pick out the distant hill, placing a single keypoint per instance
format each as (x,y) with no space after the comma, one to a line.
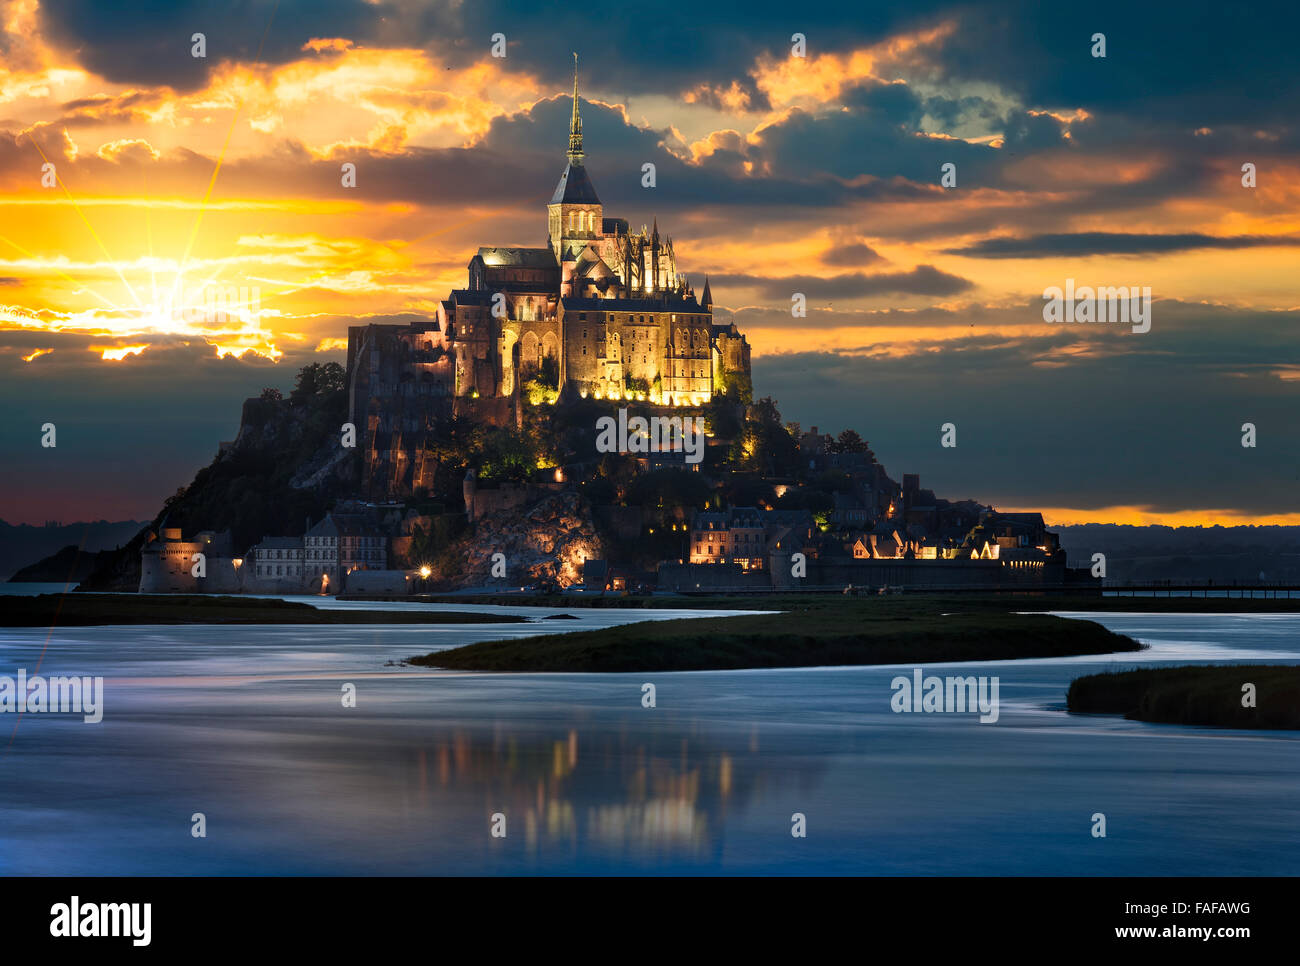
(22,545)
(69,564)
(1223,554)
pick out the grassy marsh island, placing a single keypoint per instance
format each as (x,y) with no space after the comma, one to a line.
(87,610)
(1196,695)
(808,632)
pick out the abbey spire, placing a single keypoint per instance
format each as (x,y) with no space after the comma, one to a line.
(575,125)
(574,216)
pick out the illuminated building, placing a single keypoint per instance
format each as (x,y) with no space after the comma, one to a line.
(600,312)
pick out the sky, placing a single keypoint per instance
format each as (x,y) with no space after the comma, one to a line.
(782,167)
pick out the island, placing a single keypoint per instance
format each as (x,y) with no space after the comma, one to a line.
(1259,696)
(806,632)
(86,610)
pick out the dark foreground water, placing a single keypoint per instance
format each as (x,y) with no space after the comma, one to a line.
(246,725)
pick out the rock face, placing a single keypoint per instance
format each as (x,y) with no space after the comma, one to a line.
(547,541)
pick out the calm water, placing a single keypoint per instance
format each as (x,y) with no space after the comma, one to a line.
(246,726)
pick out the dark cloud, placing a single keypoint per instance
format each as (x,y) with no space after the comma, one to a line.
(517,164)
(687,45)
(853,254)
(150,42)
(922,280)
(127,108)
(1199,63)
(1115,243)
(866,139)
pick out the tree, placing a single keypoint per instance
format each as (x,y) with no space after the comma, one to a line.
(316,379)
(767,445)
(503,454)
(849,442)
(549,372)
(270,394)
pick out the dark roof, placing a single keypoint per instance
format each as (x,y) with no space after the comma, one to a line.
(518,257)
(575,188)
(467,296)
(279,543)
(345,525)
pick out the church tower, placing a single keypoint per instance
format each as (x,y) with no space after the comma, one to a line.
(575,215)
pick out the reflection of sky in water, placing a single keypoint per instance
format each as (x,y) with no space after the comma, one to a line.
(246,725)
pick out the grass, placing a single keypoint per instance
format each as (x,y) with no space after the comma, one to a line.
(84,610)
(813,632)
(1197,695)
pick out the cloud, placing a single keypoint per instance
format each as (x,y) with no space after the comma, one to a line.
(850,254)
(1115,243)
(922,280)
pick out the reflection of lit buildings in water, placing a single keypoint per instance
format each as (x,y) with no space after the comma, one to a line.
(656,822)
(607,794)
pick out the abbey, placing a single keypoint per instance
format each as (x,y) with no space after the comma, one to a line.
(600,311)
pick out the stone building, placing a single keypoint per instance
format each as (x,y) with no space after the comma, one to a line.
(276,564)
(205,564)
(340,544)
(599,310)
(748,537)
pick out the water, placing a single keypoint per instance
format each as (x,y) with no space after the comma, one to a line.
(31,590)
(245,724)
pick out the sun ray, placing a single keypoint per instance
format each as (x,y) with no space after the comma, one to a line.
(112,305)
(89,227)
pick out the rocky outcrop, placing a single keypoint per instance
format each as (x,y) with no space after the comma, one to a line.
(547,541)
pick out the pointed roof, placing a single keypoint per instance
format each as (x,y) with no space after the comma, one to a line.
(707,299)
(575,187)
